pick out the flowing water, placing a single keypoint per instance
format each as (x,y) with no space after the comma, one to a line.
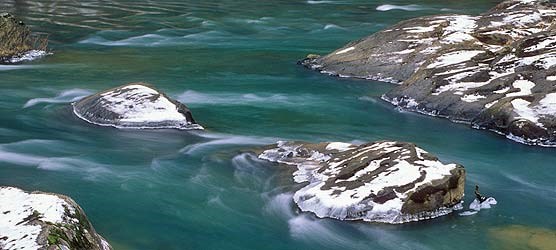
(234,64)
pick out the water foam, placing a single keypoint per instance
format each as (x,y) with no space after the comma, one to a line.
(388,7)
(223,140)
(195,97)
(65,96)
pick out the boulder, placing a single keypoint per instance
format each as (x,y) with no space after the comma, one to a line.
(17,43)
(495,71)
(134,105)
(385,181)
(38,220)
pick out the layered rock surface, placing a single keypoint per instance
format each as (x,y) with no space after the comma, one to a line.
(17,43)
(40,220)
(495,71)
(135,105)
(386,181)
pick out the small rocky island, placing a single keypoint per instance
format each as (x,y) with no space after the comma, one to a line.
(40,220)
(385,181)
(135,105)
(17,42)
(495,71)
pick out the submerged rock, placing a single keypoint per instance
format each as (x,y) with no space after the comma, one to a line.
(17,43)
(134,105)
(523,237)
(496,71)
(386,181)
(40,220)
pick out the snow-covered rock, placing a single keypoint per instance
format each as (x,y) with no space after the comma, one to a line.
(495,71)
(134,105)
(385,181)
(40,220)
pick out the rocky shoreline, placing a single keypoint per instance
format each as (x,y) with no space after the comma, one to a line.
(495,71)
(38,220)
(386,181)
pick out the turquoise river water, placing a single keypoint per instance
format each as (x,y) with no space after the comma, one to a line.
(234,64)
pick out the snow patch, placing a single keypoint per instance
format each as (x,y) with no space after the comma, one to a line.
(16,205)
(345,50)
(456,57)
(524,87)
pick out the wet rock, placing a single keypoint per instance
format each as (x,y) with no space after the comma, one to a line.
(495,71)
(134,105)
(40,220)
(385,181)
(17,42)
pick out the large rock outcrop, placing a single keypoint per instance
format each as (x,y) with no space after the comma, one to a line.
(40,220)
(386,181)
(134,105)
(17,43)
(495,71)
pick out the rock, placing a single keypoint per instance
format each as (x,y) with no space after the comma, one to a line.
(40,220)
(134,105)
(385,181)
(495,71)
(523,237)
(17,43)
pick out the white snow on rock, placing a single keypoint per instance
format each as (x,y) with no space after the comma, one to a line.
(133,107)
(551,78)
(547,43)
(459,29)
(17,205)
(472,98)
(340,146)
(524,87)
(456,57)
(329,195)
(418,29)
(345,50)
(545,107)
(524,111)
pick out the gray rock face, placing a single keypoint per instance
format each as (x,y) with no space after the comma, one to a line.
(17,43)
(495,71)
(134,105)
(385,181)
(40,220)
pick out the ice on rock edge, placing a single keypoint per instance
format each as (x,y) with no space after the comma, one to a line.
(28,56)
(331,192)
